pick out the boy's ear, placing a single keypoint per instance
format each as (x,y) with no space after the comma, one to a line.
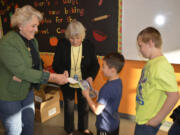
(151,43)
(113,70)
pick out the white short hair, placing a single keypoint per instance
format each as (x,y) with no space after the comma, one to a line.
(75,28)
(24,15)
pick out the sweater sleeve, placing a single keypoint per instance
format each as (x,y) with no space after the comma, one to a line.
(61,59)
(14,61)
(93,67)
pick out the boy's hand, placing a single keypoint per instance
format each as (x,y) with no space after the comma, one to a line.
(153,122)
(85,93)
(90,80)
(172,98)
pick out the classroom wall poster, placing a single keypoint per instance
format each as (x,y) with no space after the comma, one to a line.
(102,19)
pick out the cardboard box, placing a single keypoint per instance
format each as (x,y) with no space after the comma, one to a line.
(46,104)
(45,92)
(48,108)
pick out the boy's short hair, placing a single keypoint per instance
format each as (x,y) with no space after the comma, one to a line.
(115,60)
(150,33)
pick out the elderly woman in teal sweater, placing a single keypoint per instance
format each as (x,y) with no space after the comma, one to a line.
(21,72)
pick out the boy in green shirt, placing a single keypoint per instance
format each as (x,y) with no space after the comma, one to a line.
(157,90)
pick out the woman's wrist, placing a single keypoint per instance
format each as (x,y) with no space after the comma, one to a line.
(58,78)
(52,78)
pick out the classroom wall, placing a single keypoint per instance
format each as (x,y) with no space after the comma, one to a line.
(161,14)
(130,76)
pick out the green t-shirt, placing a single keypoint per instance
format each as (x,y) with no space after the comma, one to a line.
(157,78)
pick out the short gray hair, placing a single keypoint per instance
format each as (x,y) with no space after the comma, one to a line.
(75,28)
(24,15)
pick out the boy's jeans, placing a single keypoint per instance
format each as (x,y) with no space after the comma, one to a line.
(18,116)
(146,130)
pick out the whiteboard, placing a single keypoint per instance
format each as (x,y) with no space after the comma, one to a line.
(139,14)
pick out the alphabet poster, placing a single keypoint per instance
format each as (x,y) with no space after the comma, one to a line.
(101,18)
